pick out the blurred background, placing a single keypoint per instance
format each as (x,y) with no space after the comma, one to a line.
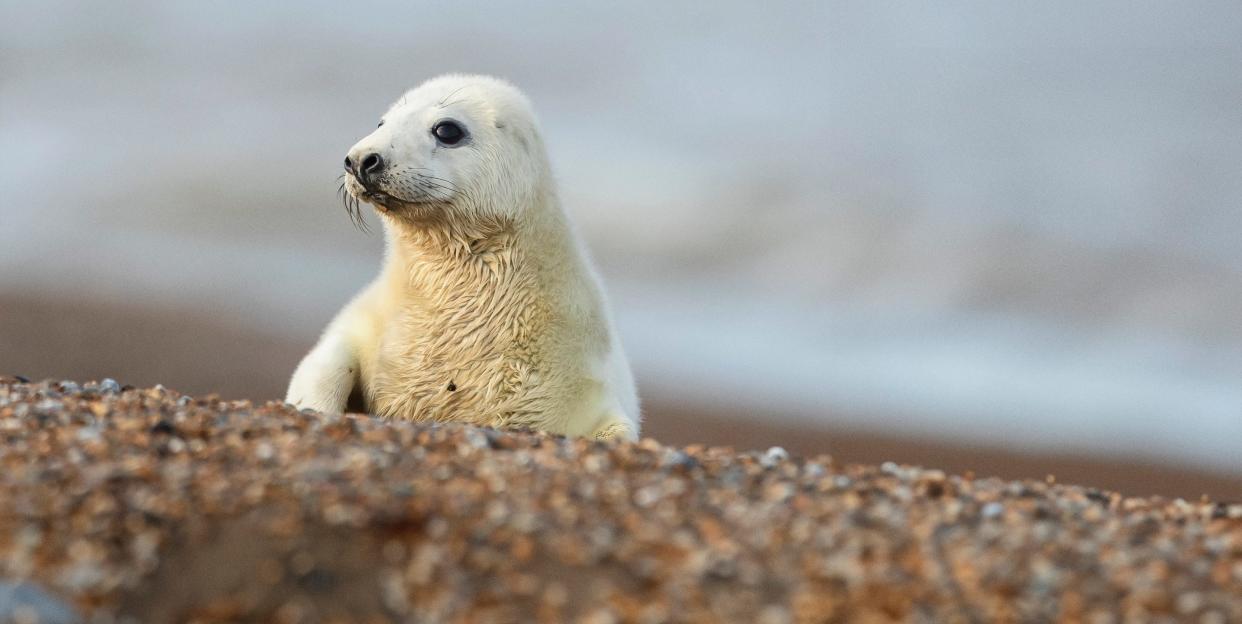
(999,237)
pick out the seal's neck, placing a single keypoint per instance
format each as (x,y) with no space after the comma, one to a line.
(438,262)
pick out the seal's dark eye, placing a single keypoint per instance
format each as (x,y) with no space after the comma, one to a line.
(449,132)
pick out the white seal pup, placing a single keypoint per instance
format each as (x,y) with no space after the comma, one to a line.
(487,310)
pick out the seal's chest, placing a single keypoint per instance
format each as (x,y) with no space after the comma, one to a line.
(465,366)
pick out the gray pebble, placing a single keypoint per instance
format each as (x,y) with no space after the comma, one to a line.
(27,602)
(49,407)
(774,456)
(814,470)
(476,438)
(992,510)
(674,458)
(777,453)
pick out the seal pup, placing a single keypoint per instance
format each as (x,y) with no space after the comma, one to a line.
(486,310)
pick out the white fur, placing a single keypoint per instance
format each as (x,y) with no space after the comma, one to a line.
(487,309)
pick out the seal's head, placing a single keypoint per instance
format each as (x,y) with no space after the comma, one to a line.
(456,147)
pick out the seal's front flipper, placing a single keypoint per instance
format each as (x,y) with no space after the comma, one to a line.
(615,428)
(325,378)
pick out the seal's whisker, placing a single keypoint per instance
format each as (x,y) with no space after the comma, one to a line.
(352,208)
(441,104)
(427,186)
(362,223)
(450,185)
(441,182)
(429,176)
(424,186)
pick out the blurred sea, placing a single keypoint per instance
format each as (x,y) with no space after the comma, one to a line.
(998,223)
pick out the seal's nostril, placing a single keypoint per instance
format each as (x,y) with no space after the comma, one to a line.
(372,163)
(349,164)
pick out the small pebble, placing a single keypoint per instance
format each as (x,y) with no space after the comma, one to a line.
(814,470)
(674,458)
(26,602)
(992,510)
(774,456)
(163,427)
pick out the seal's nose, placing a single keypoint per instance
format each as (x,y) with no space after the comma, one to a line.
(364,166)
(372,164)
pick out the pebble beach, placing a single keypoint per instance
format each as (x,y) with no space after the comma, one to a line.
(146,505)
